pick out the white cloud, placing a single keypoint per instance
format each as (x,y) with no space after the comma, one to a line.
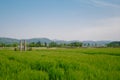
(106,29)
(103,3)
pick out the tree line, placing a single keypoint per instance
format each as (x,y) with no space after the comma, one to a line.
(45,44)
(114,44)
(55,44)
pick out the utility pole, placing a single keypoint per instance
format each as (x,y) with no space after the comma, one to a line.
(23,45)
(20,45)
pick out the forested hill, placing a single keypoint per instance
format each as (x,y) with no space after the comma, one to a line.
(8,40)
(12,40)
(114,44)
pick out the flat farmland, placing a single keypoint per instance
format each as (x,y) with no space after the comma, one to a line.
(60,64)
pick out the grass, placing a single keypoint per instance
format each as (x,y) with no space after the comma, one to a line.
(61,64)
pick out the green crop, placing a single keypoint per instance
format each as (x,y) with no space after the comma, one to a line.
(61,64)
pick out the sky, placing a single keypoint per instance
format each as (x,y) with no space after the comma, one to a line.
(60,19)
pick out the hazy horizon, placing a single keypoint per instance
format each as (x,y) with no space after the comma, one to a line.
(60,19)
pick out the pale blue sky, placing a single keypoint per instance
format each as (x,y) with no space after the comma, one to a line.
(60,19)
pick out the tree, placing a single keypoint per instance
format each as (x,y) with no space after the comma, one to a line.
(38,44)
(114,44)
(53,44)
(62,45)
(76,44)
(14,44)
(88,45)
(45,44)
(2,44)
(32,44)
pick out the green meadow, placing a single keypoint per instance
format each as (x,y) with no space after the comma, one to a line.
(60,64)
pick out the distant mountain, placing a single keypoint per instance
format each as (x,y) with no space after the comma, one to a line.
(42,40)
(61,41)
(8,40)
(96,43)
(12,40)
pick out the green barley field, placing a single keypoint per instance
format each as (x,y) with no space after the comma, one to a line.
(60,64)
